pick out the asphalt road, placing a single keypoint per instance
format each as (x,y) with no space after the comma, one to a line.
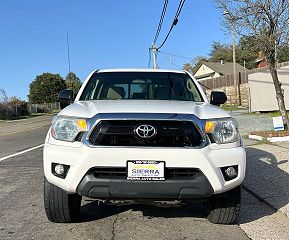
(22,213)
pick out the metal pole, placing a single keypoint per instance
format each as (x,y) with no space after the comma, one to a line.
(234,59)
(68,53)
(154,48)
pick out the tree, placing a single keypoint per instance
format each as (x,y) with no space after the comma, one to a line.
(15,100)
(245,52)
(3,96)
(188,67)
(220,52)
(267,20)
(283,53)
(193,68)
(45,88)
(73,82)
(21,107)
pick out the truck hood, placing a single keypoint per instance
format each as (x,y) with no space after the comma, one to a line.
(87,109)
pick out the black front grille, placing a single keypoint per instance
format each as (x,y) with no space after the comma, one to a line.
(120,173)
(169,134)
(181,173)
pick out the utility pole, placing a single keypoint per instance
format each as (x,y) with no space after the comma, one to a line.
(234,59)
(68,54)
(155,51)
(233,20)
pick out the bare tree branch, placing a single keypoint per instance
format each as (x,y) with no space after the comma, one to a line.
(3,96)
(267,20)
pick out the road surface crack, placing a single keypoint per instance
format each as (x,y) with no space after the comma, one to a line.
(114,226)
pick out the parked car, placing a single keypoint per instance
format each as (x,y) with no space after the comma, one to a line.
(143,134)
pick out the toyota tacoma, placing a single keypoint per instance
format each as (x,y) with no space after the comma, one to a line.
(143,135)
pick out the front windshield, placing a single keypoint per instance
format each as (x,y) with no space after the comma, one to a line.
(141,85)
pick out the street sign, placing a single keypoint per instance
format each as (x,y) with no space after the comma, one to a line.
(278,123)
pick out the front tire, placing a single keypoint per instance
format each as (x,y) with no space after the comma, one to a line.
(225,207)
(60,207)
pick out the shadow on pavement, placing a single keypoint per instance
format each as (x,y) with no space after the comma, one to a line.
(268,178)
(92,211)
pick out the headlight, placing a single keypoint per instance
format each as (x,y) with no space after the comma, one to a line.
(66,129)
(222,131)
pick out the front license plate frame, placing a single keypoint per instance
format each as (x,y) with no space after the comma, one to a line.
(145,170)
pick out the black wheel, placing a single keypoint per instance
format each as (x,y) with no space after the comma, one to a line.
(224,208)
(60,207)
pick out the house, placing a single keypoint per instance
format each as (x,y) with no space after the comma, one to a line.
(209,70)
(261,60)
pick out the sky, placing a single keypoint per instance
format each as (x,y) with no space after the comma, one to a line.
(102,34)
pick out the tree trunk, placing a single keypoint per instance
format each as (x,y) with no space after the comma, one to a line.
(279,92)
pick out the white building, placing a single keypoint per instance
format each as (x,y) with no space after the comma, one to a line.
(262,91)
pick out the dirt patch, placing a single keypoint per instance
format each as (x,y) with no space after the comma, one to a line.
(270,134)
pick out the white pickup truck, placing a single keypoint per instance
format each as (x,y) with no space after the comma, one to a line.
(143,134)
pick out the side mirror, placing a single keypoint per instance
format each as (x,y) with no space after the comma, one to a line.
(218,98)
(65,97)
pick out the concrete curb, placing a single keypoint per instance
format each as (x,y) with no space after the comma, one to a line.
(272,139)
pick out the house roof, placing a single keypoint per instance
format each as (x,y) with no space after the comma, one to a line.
(226,68)
(204,75)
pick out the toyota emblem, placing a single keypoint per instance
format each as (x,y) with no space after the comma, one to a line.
(146,131)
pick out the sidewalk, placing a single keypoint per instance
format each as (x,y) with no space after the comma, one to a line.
(267,173)
(8,127)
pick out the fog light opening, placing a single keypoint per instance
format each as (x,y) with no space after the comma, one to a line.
(60,170)
(230,172)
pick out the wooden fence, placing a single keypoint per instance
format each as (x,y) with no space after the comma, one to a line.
(44,107)
(225,81)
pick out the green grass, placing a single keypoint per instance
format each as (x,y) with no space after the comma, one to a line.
(56,111)
(233,107)
(276,114)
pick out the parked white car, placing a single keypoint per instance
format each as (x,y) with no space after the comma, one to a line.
(143,134)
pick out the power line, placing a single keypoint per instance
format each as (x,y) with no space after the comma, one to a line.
(175,55)
(157,33)
(175,21)
(163,59)
(161,21)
